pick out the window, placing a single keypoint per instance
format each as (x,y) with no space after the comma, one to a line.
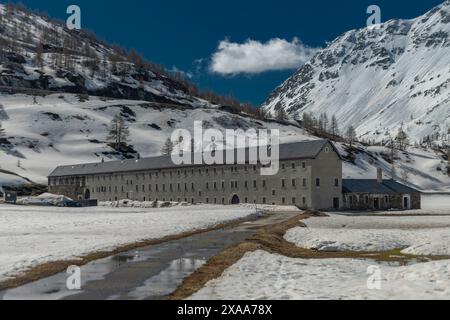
(304,165)
(274,193)
(304,182)
(304,200)
(255,184)
(264,183)
(294,183)
(264,201)
(223,184)
(207,186)
(283,200)
(318,182)
(293,200)
(246,184)
(293,165)
(283,166)
(137,188)
(336,182)
(283,183)
(143,188)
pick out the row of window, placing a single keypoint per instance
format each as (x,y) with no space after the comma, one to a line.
(264,200)
(209,185)
(362,199)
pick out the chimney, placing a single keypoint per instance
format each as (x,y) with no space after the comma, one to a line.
(379,175)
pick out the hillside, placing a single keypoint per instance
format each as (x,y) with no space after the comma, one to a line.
(43,132)
(42,54)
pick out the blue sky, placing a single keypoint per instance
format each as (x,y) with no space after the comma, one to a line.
(185,34)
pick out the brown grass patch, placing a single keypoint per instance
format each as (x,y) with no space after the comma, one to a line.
(51,268)
(271,239)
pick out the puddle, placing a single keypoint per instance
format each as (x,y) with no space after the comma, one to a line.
(167,281)
(152,272)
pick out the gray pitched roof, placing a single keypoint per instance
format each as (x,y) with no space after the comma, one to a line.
(373,187)
(298,150)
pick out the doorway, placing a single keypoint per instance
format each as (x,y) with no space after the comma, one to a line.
(87,195)
(376,204)
(406,203)
(336,204)
(235,200)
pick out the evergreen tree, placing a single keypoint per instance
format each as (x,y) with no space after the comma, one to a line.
(2,132)
(167,148)
(402,139)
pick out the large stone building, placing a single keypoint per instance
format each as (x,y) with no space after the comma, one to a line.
(310,176)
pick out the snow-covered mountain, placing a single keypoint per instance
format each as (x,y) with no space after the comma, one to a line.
(378,78)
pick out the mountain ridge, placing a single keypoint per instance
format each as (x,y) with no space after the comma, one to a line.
(378,79)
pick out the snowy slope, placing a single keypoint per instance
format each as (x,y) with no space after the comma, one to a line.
(377,79)
(423,169)
(62,129)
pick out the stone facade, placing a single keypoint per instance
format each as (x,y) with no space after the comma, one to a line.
(304,182)
(368,201)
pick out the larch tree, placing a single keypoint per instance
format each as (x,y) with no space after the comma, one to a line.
(351,135)
(118,132)
(281,114)
(334,127)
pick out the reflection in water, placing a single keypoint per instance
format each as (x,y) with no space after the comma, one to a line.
(168,280)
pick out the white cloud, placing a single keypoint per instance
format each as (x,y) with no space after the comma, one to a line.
(254,57)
